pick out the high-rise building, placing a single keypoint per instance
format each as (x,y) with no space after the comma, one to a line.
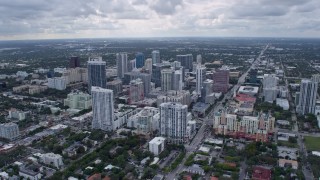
(199,59)
(122,64)
(316,78)
(307,97)
(74,62)
(146,79)
(131,65)
(139,60)
(173,122)
(102,107)
(136,91)
(156,57)
(221,80)
(148,65)
(167,79)
(200,76)
(96,73)
(156,72)
(177,80)
(270,90)
(9,131)
(186,61)
(115,86)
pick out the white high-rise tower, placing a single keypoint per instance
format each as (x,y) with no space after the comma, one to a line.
(102,107)
(173,122)
(122,64)
(200,73)
(307,97)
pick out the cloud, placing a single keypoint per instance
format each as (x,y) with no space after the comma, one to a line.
(22,19)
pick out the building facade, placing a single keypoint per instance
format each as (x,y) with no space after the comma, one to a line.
(122,64)
(78,100)
(136,91)
(156,56)
(96,73)
(9,131)
(103,108)
(173,122)
(156,145)
(74,62)
(200,76)
(139,60)
(221,80)
(306,99)
(186,61)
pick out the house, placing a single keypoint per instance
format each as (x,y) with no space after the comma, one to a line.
(31,172)
(195,169)
(261,173)
(286,162)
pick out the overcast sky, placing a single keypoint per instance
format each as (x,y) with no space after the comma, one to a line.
(43,19)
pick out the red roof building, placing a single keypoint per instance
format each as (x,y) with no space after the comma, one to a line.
(261,173)
(245,98)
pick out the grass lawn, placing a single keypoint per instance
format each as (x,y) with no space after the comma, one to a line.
(312,143)
(288,144)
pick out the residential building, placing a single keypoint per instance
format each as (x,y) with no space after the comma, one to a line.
(221,80)
(250,127)
(78,100)
(122,63)
(145,121)
(156,145)
(145,77)
(186,61)
(177,80)
(96,73)
(156,56)
(139,60)
(58,83)
(22,74)
(9,131)
(52,159)
(167,79)
(131,65)
(30,172)
(136,90)
(76,75)
(199,59)
(200,76)
(15,114)
(270,90)
(183,97)
(103,108)
(74,62)
(173,122)
(115,86)
(148,65)
(307,97)
(156,72)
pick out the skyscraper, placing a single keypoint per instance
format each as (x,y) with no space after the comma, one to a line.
(74,62)
(167,79)
(136,91)
(102,107)
(96,73)
(131,65)
(146,79)
(122,64)
(139,60)
(156,72)
(177,80)
(148,65)
(200,76)
(156,57)
(199,59)
(307,97)
(221,80)
(186,61)
(270,90)
(173,122)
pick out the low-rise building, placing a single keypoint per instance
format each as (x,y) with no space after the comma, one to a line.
(78,100)
(15,114)
(284,103)
(145,121)
(59,83)
(286,162)
(9,131)
(156,145)
(30,172)
(52,159)
(261,173)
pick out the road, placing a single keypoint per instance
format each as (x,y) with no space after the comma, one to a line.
(295,129)
(207,122)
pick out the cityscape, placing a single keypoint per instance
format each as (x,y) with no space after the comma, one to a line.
(102,98)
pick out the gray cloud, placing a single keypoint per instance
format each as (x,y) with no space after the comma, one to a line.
(98,18)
